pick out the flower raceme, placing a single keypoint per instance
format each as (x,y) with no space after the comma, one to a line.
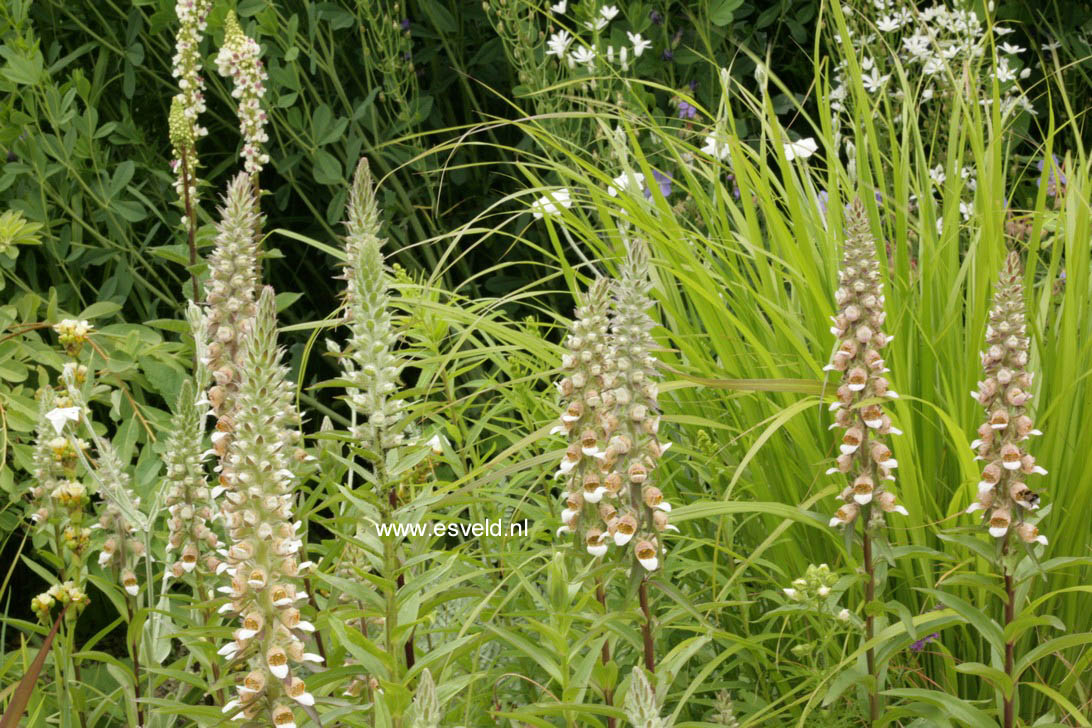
(240,58)
(262,560)
(609,398)
(1004,394)
(865,459)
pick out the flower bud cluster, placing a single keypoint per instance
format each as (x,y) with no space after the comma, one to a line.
(188,497)
(615,485)
(725,711)
(66,593)
(1004,393)
(369,361)
(240,58)
(263,558)
(123,547)
(230,292)
(642,705)
(865,458)
(189,103)
(814,587)
(72,334)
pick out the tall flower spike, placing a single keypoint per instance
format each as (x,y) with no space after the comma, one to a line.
(1004,393)
(865,459)
(263,556)
(230,293)
(631,417)
(369,361)
(240,58)
(580,388)
(189,103)
(188,499)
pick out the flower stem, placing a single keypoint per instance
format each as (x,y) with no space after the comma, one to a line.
(870,595)
(646,628)
(608,693)
(1010,614)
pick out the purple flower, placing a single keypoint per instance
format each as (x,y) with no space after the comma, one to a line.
(663,181)
(920,644)
(405,24)
(1052,181)
(655,17)
(667,55)
(822,199)
(686,111)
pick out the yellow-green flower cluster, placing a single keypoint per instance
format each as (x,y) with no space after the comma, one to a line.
(1004,394)
(66,593)
(72,334)
(231,290)
(240,58)
(620,404)
(263,557)
(865,458)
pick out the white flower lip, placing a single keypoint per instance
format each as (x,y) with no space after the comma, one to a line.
(598,550)
(621,539)
(279,671)
(58,416)
(651,563)
(999,531)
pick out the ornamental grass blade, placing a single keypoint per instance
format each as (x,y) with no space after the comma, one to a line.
(21,696)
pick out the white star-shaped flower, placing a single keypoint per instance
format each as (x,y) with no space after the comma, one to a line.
(640,45)
(558,43)
(560,7)
(609,12)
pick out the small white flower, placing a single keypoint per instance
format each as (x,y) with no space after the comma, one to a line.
(621,539)
(716,146)
(1052,46)
(596,25)
(640,45)
(937,175)
(559,7)
(888,24)
(280,671)
(999,531)
(559,43)
(801,149)
(651,563)
(791,593)
(874,82)
(1012,49)
(548,205)
(60,415)
(843,615)
(583,54)
(609,12)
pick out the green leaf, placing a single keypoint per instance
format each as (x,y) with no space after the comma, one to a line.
(100,309)
(1018,626)
(953,706)
(327,168)
(996,677)
(19,68)
(846,679)
(723,12)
